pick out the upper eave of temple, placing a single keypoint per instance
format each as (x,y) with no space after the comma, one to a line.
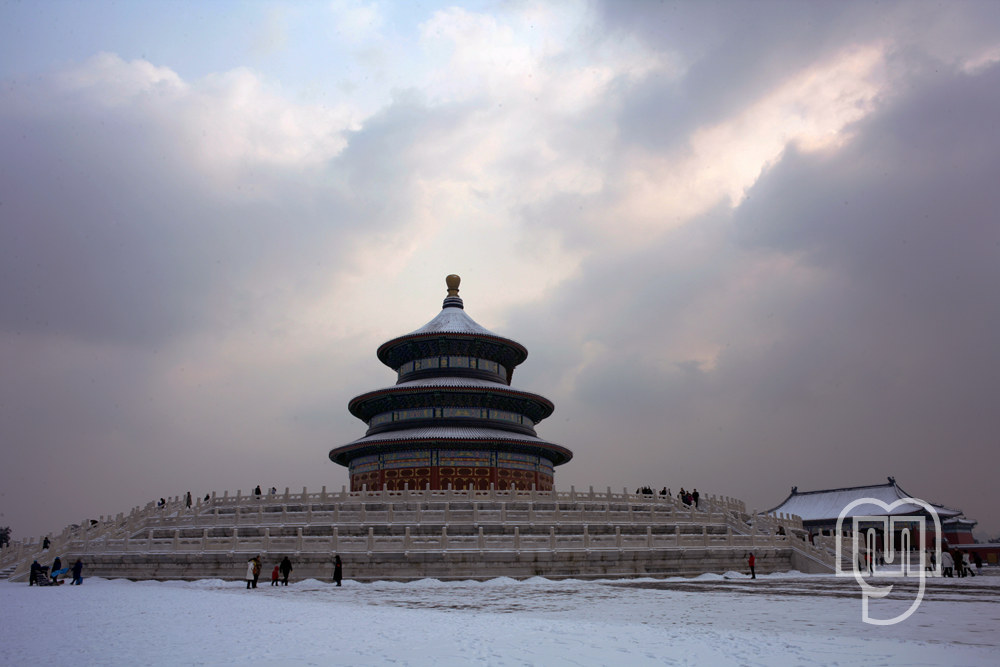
(452,322)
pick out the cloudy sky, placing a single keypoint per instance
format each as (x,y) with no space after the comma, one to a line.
(748,245)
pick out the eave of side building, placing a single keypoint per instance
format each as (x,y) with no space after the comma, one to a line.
(823,507)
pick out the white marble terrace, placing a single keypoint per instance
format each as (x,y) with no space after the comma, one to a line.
(408,521)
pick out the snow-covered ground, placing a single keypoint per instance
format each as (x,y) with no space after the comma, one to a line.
(784,619)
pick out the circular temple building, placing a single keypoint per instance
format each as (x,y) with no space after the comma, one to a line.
(452,419)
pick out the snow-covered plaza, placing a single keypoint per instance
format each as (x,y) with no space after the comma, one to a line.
(783,619)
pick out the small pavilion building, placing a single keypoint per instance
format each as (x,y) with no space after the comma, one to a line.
(452,420)
(819,510)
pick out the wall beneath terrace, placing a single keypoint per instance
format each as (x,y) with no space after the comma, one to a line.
(445,565)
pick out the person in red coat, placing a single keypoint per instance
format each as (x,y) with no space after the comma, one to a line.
(752,561)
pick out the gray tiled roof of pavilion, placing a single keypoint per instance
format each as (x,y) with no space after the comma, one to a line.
(826,504)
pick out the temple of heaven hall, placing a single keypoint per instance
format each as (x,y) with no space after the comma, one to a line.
(452,420)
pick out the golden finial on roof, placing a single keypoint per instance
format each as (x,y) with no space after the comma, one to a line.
(452,282)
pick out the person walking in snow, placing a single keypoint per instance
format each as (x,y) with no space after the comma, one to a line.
(338,570)
(77,572)
(286,569)
(33,576)
(967,564)
(257,567)
(249,575)
(947,563)
(752,561)
(274,576)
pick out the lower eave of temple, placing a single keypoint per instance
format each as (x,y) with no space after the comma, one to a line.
(450,438)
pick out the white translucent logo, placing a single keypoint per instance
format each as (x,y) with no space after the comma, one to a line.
(898,547)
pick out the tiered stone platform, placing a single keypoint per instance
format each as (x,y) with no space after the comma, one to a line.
(405,535)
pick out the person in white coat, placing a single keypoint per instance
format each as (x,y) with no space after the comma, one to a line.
(947,563)
(249,576)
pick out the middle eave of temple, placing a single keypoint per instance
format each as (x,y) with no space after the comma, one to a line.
(450,392)
(428,392)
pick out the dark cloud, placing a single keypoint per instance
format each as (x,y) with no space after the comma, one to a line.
(730,52)
(850,299)
(121,229)
(834,328)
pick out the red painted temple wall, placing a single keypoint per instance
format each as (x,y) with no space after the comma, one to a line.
(441,477)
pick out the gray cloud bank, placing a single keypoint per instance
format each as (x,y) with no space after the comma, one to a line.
(852,297)
(837,325)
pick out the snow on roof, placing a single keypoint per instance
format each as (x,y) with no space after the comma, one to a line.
(453,383)
(453,320)
(451,433)
(449,381)
(827,505)
(466,436)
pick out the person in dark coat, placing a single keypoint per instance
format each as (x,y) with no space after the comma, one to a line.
(338,570)
(257,567)
(56,566)
(45,543)
(286,569)
(77,572)
(694,496)
(752,561)
(33,576)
